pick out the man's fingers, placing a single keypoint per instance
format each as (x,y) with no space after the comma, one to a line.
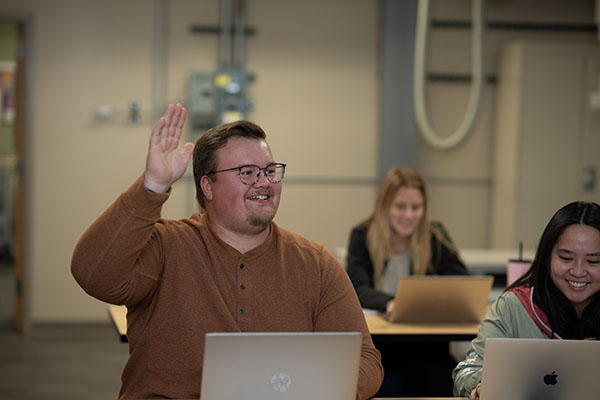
(182,118)
(169,114)
(168,129)
(167,117)
(174,118)
(155,136)
(177,121)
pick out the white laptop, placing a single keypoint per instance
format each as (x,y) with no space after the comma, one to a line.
(278,366)
(531,369)
(441,299)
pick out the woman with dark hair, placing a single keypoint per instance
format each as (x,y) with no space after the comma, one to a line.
(558,297)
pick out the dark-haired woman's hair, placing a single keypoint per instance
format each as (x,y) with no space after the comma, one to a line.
(559,310)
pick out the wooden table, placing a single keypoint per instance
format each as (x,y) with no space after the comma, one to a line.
(393,340)
(380,328)
(383,330)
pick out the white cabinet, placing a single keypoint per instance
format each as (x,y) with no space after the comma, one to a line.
(547,136)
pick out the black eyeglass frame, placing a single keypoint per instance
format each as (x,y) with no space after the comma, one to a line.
(264,170)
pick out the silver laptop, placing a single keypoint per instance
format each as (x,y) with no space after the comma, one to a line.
(441,299)
(277,366)
(532,369)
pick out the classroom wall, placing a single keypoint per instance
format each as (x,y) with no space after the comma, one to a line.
(461,181)
(316,94)
(315,88)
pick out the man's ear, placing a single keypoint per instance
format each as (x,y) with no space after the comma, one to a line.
(206,185)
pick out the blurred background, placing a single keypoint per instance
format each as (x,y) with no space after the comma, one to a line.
(332,84)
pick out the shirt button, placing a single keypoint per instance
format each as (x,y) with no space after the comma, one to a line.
(241,310)
(241,266)
(242,287)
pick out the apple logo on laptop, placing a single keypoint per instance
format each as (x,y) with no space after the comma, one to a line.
(551,379)
(281,382)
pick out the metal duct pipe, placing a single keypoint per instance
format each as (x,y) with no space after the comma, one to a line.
(225,34)
(240,35)
(468,122)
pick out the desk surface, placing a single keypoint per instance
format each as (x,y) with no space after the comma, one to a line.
(378,326)
(383,330)
(380,329)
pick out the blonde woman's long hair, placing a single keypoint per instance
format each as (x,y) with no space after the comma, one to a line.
(379,231)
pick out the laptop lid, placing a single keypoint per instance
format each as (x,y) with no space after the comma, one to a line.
(540,369)
(276,366)
(441,299)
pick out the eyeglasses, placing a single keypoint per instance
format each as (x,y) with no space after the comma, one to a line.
(250,174)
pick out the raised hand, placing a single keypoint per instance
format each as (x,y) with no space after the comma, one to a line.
(165,162)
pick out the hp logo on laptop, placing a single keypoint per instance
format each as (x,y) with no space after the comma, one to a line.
(281,382)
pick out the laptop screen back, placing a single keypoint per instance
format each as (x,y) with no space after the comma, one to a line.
(540,369)
(441,299)
(276,366)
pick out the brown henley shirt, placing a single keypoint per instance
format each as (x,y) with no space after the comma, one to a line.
(179,281)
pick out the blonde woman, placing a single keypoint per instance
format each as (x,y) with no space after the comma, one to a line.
(398,240)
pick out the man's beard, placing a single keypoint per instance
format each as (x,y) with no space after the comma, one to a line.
(260,221)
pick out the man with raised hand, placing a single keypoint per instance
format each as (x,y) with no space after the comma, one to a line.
(229,268)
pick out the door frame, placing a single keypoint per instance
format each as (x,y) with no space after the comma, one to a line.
(21,316)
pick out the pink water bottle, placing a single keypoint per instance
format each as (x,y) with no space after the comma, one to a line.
(517,268)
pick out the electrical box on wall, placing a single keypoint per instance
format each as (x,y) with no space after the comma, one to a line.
(547,136)
(217,98)
(231,94)
(201,103)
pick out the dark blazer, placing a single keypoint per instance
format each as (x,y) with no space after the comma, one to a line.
(360,266)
